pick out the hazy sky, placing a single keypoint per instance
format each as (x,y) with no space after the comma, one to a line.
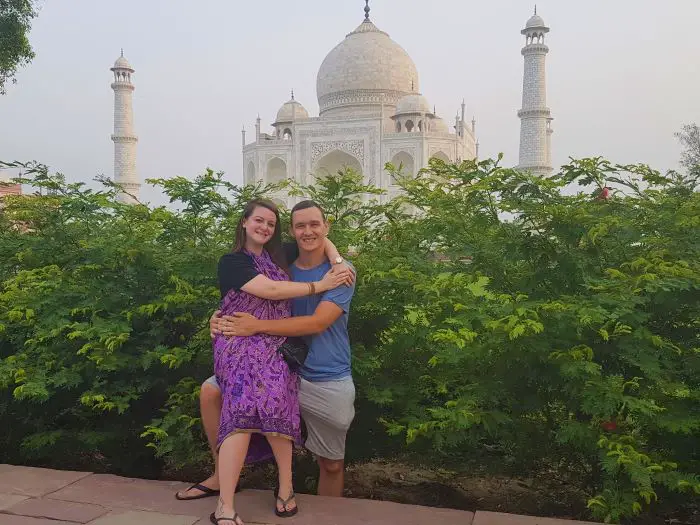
(622,75)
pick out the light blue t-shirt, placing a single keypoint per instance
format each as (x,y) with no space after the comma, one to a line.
(329,351)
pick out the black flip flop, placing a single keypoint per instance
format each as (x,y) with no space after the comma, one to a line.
(207,492)
(216,520)
(286,513)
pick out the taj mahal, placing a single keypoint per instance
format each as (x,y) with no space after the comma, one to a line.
(371,111)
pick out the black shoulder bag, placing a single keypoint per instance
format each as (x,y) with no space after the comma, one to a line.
(294,351)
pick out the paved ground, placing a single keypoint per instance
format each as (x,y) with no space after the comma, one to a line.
(33,496)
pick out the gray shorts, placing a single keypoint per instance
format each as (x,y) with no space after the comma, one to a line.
(328,408)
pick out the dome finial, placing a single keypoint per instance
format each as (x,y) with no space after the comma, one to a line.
(122,52)
(535,8)
(367,10)
(292,94)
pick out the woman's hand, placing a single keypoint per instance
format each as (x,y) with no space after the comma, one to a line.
(334,277)
(346,266)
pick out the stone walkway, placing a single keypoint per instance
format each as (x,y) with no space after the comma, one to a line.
(34,496)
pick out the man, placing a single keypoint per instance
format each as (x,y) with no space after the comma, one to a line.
(327,391)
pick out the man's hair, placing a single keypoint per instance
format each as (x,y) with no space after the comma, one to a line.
(305,205)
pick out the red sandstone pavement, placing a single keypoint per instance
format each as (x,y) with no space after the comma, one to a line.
(34,496)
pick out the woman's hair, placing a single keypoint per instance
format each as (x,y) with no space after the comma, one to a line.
(274,245)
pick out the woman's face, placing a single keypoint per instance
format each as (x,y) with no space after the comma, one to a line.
(260,226)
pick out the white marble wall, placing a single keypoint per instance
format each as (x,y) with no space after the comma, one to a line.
(371,142)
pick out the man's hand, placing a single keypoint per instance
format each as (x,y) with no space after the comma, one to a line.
(215,324)
(240,324)
(345,269)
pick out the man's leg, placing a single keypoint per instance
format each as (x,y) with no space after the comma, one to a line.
(331,478)
(328,410)
(210,403)
(210,410)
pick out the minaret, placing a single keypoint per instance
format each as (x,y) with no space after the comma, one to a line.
(123,137)
(535,120)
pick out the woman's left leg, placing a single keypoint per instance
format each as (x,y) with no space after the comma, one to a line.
(282,449)
(232,453)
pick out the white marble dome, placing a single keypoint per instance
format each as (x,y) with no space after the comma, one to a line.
(122,63)
(291,110)
(364,69)
(438,125)
(415,103)
(535,21)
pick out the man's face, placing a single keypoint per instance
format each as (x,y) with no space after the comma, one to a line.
(309,229)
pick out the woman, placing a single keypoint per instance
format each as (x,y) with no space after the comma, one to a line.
(260,412)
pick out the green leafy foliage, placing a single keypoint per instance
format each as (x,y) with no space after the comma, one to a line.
(556,329)
(103,309)
(15,50)
(497,316)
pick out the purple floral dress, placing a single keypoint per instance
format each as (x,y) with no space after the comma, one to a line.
(260,394)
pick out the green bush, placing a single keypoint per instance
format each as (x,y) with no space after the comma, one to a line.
(565,336)
(498,315)
(102,317)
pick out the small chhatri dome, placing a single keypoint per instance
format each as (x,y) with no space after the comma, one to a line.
(365,69)
(414,103)
(291,110)
(535,22)
(438,125)
(122,63)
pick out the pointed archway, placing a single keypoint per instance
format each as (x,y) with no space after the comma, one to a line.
(276,170)
(405,161)
(442,156)
(335,161)
(250,173)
